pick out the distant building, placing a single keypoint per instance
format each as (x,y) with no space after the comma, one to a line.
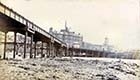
(71,38)
(106,46)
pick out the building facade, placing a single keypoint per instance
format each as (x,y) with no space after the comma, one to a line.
(71,38)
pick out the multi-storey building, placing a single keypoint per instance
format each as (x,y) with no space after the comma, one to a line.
(76,40)
(71,38)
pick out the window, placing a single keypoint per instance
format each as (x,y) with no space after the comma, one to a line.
(13,15)
(7,12)
(24,21)
(1,9)
(17,18)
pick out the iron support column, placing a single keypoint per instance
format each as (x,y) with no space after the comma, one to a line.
(42,50)
(31,46)
(53,49)
(15,38)
(35,50)
(72,51)
(5,40)
(25,44)
(49,49)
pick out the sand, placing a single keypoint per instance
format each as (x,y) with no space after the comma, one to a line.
(69,69)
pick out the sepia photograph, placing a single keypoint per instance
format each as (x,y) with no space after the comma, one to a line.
(69,39)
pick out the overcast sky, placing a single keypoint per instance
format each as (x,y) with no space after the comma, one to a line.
(94,19)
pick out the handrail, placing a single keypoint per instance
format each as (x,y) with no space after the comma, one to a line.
(23,20)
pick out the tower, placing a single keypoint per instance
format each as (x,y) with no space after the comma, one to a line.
(66,28)
(106,41)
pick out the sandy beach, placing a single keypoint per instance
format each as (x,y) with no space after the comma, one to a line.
(69,69)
